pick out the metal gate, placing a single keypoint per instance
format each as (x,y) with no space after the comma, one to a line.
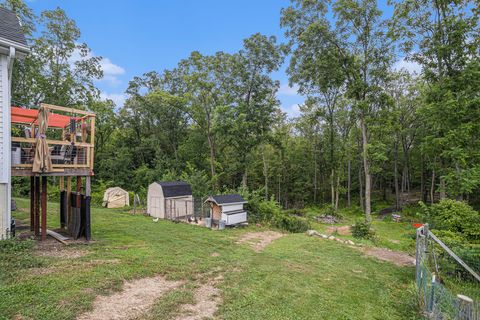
(444,280)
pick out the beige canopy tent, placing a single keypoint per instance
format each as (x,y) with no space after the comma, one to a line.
(115,198)
(42,162)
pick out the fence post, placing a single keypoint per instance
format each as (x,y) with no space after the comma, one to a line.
(420,250)
(431,302)
(465,307)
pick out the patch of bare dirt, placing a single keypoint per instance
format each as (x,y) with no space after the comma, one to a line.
(215,254)
(343,230)
(399,258)
(207,299)
(259,240)
(137,297)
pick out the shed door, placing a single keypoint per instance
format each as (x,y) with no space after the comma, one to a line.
(155,207)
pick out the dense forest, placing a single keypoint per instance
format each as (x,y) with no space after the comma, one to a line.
(368,130)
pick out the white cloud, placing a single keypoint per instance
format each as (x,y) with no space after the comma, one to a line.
(292,111)
(285,89)
(117,98)
(111,71)
(409,66)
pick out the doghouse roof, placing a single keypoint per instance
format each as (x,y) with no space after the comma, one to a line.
(175,188)
(227,199)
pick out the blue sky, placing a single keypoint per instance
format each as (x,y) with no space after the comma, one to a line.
(138,36)
(135,37)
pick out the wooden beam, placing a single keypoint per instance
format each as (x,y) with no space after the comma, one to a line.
(49,141)
(44,208)
(32,203)
(88,187)
(66,109)
(37,207)
(69,200)
(67,172)
(79,191)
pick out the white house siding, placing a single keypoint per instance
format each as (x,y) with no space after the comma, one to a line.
(4,148)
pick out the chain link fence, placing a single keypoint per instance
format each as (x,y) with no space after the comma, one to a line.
(448,287)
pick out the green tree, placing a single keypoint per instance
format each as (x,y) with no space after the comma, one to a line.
(358,37)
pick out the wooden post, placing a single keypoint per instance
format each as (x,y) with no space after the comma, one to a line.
(44,208)
(87,208)
(36,226)
(88,188)
(79,191)
(32,202)
(69,201)
(465,307)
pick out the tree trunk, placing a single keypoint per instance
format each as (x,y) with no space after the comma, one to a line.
(395,178)
(265,172)
(211,145)
(360,184)
(332,186)
(315,185)
(432,187)
(337,193)
(443,194)
(422,182)
(349,184)
(244,178)
(366,168)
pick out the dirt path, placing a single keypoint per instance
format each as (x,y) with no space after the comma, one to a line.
(259,240)
(137,297)
(341,230)
(207,299)
(401,259)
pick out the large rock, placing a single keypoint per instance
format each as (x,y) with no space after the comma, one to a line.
(312,233)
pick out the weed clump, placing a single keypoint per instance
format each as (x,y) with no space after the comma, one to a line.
(363,230)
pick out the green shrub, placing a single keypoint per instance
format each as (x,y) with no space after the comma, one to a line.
(455,216)
(270,212)
(362,229)
(291,223)
(329,210)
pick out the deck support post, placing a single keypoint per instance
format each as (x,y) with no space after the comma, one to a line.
(79,191)
(36,227)
(69,202)
(32,203)
(44,208)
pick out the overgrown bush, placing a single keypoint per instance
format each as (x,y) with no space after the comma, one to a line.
(329,210)
(458,225)
(454,216)
(362,229)
(291,223)
(269,211)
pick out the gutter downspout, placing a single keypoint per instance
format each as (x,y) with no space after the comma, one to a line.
(10,60)
(8,142)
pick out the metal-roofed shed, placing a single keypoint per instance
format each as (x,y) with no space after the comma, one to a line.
(170,200)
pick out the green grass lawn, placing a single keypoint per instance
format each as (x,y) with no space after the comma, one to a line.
(295,277)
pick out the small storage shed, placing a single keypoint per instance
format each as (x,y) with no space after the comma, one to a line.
(115,197)
(170,200)
(227,207)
